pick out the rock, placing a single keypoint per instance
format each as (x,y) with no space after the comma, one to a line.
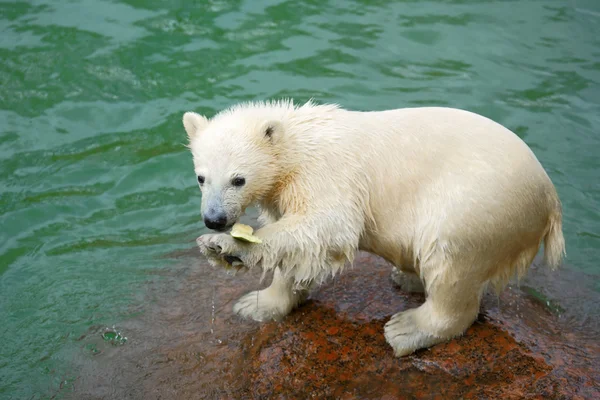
(190,345)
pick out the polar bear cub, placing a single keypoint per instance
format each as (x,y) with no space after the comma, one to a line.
(454,201)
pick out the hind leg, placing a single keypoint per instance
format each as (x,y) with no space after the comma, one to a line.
(451,307)
(407,281)
(272,303)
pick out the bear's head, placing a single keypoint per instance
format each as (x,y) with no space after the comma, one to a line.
(235,161)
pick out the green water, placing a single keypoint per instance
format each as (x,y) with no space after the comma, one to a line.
(95,183)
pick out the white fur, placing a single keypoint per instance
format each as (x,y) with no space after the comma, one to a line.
(446,194)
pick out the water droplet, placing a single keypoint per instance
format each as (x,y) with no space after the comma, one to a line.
(212,321)
(113,336)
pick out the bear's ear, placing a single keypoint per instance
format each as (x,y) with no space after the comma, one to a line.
(194,124)
(271,130)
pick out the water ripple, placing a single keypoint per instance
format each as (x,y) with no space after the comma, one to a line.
(95,182)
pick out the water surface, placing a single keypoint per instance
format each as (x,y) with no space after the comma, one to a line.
(95,181)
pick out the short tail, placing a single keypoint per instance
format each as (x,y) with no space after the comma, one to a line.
(554,241)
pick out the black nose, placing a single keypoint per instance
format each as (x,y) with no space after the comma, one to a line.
(218,222)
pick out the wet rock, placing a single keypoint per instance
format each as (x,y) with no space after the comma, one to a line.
(188,344)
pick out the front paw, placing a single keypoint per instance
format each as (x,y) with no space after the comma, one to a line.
(224,249)
(217,244)
(206,246)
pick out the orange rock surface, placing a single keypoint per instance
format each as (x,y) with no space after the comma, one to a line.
(187,344)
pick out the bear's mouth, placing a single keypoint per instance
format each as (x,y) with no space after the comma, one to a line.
(224,228)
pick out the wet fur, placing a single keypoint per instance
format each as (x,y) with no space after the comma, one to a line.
(445,195)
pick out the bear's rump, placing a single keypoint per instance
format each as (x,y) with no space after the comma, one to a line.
(463,221)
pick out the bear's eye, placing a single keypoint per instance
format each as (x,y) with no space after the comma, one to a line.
(238,181)
(201,179)
(269,132)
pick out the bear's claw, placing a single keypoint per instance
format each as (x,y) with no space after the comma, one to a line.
(223,249)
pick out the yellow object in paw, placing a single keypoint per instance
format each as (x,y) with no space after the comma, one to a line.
(244,232)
